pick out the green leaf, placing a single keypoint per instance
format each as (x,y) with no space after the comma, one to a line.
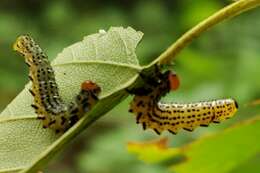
(223,152)
(154,151)
(107,58)
(228,151)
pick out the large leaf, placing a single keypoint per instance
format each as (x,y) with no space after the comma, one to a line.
(107,58)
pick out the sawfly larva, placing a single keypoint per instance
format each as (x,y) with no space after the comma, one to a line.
(48,103)
(152,113)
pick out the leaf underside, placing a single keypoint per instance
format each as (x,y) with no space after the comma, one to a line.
(107,58)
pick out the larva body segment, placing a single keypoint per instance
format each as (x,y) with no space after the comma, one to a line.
(84,102)
(178,116)
(48,104)
(152,113)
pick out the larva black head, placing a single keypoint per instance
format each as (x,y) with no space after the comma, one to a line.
(90,86)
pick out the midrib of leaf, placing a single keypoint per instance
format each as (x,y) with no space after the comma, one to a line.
(131,66)
(4,120)
(136,68)
(11,170)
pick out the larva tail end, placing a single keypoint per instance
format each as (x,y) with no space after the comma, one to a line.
(225,109)
(90,86)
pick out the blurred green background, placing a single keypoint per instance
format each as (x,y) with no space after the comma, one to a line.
(222,63)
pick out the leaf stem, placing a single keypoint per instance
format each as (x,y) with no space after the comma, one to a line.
(221,15)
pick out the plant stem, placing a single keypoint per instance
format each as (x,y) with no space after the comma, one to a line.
(221,15)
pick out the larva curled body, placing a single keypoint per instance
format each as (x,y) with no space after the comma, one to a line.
(152,113)
(48,104)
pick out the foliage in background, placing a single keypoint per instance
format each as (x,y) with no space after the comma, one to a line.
(223,152)
(221,63)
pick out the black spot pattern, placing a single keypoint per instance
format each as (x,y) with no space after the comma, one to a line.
(48,104)
(153,114)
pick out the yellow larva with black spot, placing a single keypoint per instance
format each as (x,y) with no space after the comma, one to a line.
(151,113)
(48,104)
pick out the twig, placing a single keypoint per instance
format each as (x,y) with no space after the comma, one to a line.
(221,15)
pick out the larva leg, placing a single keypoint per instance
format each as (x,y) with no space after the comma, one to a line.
(48,104)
